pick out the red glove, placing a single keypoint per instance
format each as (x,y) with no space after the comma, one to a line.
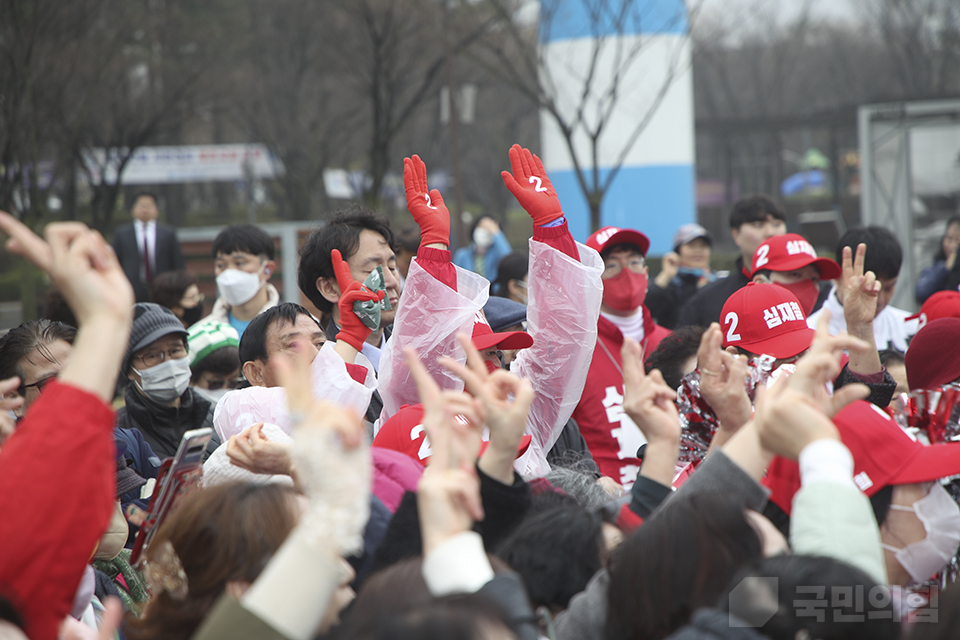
(352,329)
(427,208)
(531,187)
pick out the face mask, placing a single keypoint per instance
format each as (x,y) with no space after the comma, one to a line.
(192,315)
(940,516)
(806,291)
(482,237)
(625,291)
(213,396)
(165,382)
(238,287)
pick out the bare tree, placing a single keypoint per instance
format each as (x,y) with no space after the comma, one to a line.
(582,96)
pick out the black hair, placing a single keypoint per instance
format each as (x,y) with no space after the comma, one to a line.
(248,238)
(143,194)
(464,616)
(891,356)
(556,552)
(253,342)
(476,223)
(221,362)
(880,502)
(32,334)
(11,614)
(622,246)
(774,596)
(754,208)
(55,308)
(673,352)
(167,288)
(681,559)
(513,266)
(940,255)
(341,232)
(408,239)
(884,254)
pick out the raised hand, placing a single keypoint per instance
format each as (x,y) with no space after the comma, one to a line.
(504,400)
(860,291)
(722,384)
(821,364)
(80,263)
(253,451)
(426,207)
(531,187)
(352,329)
(448,495)
(649,402)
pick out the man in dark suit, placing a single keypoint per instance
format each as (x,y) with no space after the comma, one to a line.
(146,249)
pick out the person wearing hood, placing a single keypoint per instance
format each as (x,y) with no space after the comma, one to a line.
(611,435)
(160,403)
(488,245)
(243,263)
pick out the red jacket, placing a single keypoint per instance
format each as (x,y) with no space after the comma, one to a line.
(57,485)
(611,435)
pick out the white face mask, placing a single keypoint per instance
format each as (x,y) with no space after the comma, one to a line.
(238,287)
(940,516)
(213,396)
(165,382)
(482,237)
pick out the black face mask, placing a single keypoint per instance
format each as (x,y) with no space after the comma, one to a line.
(192,315)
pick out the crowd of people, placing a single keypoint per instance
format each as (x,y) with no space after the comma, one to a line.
(481,444)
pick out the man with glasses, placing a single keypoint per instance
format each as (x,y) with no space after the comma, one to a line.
(159,400)
(36,352)
(611,435)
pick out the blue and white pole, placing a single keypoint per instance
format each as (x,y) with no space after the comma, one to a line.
(653,190)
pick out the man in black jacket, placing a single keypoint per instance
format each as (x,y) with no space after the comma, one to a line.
(752,220)
(145,248)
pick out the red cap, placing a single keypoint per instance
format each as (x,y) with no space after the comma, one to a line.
(883,455)
(404,432)
(933,358)
(765,319)
(484,337)
(942,304)
(789,252)
(610,236)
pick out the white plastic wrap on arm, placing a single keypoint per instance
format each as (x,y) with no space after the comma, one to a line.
(429,317)
(564,305)
(239,409)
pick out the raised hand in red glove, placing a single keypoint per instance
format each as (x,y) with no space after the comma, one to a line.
(426,207)
(531,187)
(352,329)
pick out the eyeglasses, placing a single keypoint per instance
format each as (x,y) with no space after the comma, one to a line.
(154,358)
(196,299)
(217,384)
(613,266)
(22,389)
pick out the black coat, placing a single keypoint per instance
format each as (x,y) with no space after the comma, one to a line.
(167,255)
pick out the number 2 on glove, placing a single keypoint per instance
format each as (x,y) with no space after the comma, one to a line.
(426,197)
(533,180)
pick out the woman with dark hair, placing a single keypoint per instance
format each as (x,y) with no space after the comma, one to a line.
(217,541)
(512,278)
(936,277)
(681,559)
(179,292)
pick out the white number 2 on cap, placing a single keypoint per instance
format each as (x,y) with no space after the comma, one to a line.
(762,258)
(733,320)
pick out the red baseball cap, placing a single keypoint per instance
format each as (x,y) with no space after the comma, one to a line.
(611,236)
(765,319)
(484,337)
(942,304)
(883,455)
(933,358)
(789,252)
(404,432)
